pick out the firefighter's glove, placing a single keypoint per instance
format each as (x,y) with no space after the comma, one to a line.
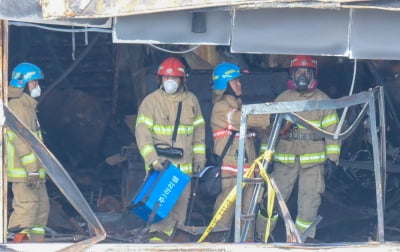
(160,164)
(329,167)
(33,180)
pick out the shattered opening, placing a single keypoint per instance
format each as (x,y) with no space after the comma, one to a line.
(88,117)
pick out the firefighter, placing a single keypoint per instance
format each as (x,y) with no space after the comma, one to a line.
(225,118)
(154,127)
(24,170)
(301,155)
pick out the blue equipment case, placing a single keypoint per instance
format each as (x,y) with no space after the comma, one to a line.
(164,188)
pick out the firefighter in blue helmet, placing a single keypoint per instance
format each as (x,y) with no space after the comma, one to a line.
(225,120)
(24,170)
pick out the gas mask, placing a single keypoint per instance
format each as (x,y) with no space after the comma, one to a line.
(302,82)
(36,92)
(170,86)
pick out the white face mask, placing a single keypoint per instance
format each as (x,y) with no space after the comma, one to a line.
(170,86)
(36,92)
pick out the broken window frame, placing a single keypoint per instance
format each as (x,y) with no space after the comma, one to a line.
(369,98)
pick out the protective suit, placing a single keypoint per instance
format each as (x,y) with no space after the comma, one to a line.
(155,125)
(225,118)
(300,154)
(24,170)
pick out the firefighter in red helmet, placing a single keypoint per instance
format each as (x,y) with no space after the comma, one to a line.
(300,154)
(303,73)
(155,125)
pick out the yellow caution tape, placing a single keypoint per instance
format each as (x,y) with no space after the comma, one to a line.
(271,196)
(231,198)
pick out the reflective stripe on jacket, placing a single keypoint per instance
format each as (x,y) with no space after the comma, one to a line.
(21,158)
(310,152)
(225,117)
(155,125)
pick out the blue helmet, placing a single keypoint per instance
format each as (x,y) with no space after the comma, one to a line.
(223,73)
(23,73)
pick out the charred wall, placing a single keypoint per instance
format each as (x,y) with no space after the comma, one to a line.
(89,114)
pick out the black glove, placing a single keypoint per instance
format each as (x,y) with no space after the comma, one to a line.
(329,168)
(33,179)
(160,164)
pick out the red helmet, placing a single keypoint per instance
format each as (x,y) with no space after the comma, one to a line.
(307,62)
(171,67)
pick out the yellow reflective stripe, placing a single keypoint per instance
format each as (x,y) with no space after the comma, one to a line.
(186,168)
(21,173)
(284,158)
(147,168)
(313,123)
(38,230)
(28,159)
(260,215)
(312,158)
(273,217)
(11,135)
(16,173)
(199,149)
(263,147)
(330,120)
(302,224)
(42,173)
(198,121)
(146,120)
(332,149)
(25,231)
(304,159)
(39,135)
(168,130)
(146,150)
(157,239)
(10,154)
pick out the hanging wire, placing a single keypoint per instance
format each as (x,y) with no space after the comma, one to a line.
(60,29)
(86,37)
(73,44)
(178,52)
(91,29)
(340,125)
